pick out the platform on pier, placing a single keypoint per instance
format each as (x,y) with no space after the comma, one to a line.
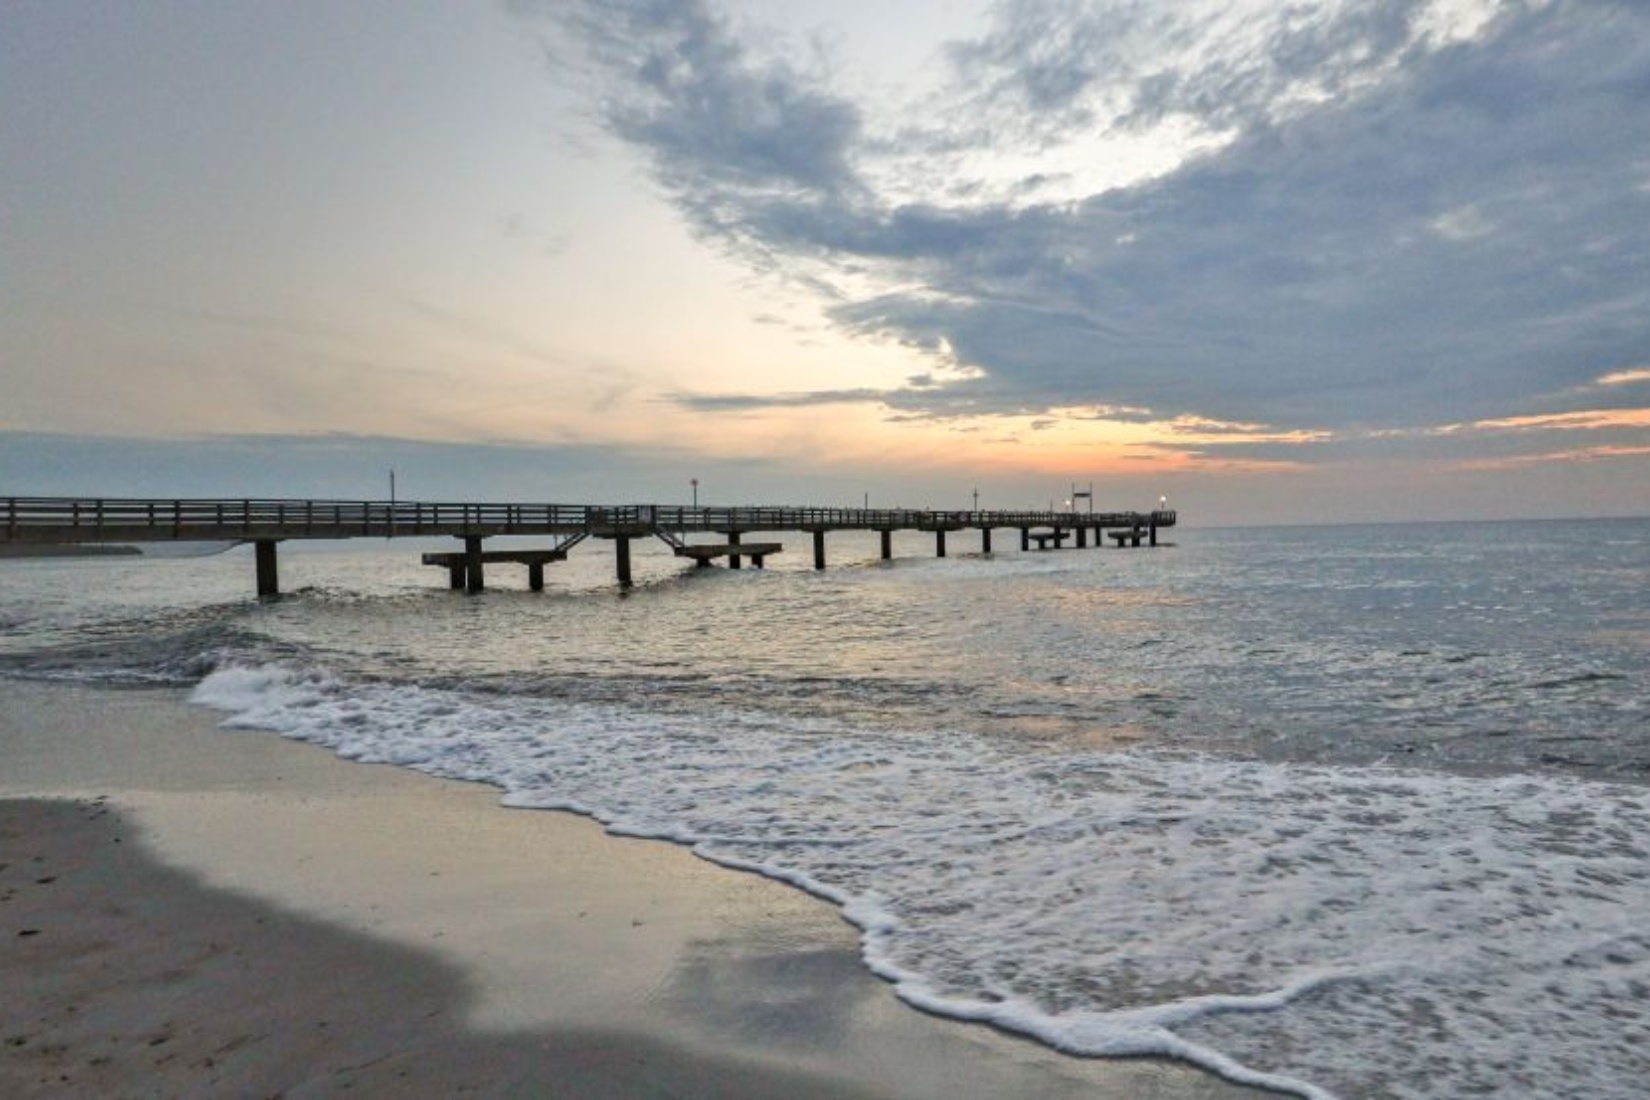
(459,563)
(705,553)
(491,557)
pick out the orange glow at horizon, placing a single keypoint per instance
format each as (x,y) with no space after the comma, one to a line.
(864,434)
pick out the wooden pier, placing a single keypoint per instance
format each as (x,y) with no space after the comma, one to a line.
(62,521)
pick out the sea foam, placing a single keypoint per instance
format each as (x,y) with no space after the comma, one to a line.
(1326,931)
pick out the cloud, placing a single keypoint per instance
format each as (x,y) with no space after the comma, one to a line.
(1581,420)
(1604,453)
(726,129)
(741,402)
(1634,376)
(1399,216)
(1070,66)
(1492,443)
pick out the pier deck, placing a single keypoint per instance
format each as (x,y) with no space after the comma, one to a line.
(66,521)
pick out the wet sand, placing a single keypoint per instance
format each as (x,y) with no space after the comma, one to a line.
(188,911)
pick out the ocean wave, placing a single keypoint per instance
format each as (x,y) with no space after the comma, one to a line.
(180,653)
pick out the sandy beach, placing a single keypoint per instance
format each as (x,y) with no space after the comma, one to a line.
(191,911)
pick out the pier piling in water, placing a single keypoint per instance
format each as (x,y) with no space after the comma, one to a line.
(473,578)
(621,557)
(269,582)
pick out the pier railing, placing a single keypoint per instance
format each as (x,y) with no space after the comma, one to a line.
(27,519)
(78,519)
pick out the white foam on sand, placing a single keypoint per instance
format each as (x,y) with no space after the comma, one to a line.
(1318,930)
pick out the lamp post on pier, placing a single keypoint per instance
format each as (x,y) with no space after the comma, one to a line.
(695,483)
(1082,494)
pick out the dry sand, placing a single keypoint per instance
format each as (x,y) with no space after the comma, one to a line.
(187,911)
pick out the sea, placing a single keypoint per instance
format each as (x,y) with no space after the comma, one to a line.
(1353,811)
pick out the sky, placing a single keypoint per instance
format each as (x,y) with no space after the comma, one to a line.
(1281,263)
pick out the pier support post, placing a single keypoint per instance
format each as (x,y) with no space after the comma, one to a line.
(473,579)
(455,576)
(1082,538)
(819,549)
(985,540)
(535,576)
(1154,529)
(621,559)
(939,544)
(733,559)
(1025,539)
(756,561)
(887,539)
(263,552)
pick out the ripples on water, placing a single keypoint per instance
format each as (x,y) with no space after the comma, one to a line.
(1359,810)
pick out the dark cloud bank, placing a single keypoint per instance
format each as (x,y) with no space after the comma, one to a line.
(1397,230)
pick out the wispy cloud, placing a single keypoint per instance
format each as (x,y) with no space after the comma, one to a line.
(1543,458)
(1490,443)
(1635,376)
(1579,420)
(1073,68)
(739,402)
